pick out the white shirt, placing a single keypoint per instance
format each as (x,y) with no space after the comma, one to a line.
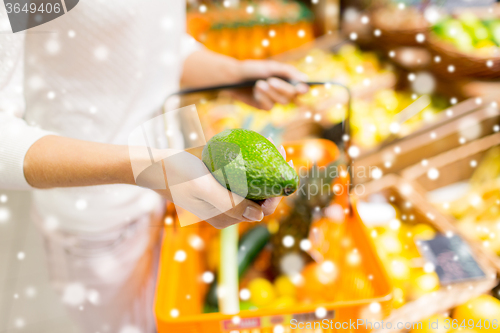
(94,74)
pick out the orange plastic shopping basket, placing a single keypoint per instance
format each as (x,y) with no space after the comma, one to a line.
(181,290)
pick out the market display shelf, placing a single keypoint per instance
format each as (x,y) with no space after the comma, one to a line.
(408,196)
(469,120)
(453,166)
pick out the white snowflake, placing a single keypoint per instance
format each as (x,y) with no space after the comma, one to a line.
(207,277)
(375,307)
(288,241)
(130,329)
(101,53)
(4,214)
(174,313)
(180,256)
(377,173)
(52,46)
(244,294)
(305,244)
(278,329)
(35,82)
(93,296)
(81,204)
(424,83)
(30,292)
(19,322)
(74,294)
(433,173)
(51,223)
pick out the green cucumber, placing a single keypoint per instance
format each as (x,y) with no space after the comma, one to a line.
(250,245)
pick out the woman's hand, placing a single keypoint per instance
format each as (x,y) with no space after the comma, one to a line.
(271,89)
(206,68)
(181,177)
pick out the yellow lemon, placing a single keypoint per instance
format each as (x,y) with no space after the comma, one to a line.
(398,298)
(284,286)
(281,303)
(261,292)
(484,309)
(423,283)
(424,231)
(399,268)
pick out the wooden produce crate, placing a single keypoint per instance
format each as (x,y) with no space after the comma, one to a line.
(408,198)
(461,123)
(451,167)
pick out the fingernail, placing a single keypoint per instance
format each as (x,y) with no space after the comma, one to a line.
(274,82)
(253,214)
(290,163)
(283,152)
(263,85)
(302,89)
(271,139)
(257,95)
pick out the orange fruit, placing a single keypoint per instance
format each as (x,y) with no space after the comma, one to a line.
(317,279)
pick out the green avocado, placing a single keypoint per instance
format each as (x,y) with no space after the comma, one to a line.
(248,164)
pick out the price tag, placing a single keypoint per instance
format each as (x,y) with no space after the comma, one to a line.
(452,258)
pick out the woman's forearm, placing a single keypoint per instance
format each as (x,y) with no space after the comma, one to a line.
(205,68)
(55,161)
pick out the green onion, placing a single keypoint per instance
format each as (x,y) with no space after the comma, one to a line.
(228,271)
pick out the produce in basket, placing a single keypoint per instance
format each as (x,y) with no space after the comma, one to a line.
(396,230)
(480,314)
(269,286)
(484,312)
(249,247)
(295,226)
(476,203)
(248,164)
(471,35)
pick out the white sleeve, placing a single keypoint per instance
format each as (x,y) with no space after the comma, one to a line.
(189,45)
(16,136)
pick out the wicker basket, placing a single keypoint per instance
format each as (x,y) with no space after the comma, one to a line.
(456,64)
(394,34)
(446,297)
